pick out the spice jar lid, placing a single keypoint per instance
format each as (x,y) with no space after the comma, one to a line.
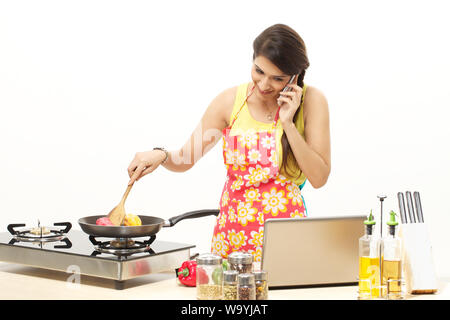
(238,257)
(260,275)
(230,276)
(246,279)
(209,259)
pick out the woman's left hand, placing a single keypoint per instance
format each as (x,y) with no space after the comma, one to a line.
(290,102)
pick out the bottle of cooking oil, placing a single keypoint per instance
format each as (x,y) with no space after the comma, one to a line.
(369,262)
(392,264)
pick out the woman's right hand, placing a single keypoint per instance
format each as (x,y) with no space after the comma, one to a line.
(144,163)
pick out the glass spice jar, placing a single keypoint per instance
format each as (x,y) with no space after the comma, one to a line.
(242,262)
(261,287)
(246,286)
(230,285)
(209,277)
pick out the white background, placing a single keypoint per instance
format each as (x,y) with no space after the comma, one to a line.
(84,85)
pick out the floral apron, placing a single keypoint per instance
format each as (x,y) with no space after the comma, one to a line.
(254,191)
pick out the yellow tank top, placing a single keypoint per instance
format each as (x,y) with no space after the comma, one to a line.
(245,121)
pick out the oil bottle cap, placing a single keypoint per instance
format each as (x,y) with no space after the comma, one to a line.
(370,221)
(392,221)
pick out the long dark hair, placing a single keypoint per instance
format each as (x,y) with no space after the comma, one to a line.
(286,50)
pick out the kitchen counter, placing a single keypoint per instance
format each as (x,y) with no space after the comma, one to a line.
(21,282)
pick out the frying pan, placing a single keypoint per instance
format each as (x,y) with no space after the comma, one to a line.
(150,225)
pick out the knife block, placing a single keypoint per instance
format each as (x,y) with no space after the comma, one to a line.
(420,275)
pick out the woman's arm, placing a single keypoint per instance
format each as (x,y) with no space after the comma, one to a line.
(205,136)
(313,152)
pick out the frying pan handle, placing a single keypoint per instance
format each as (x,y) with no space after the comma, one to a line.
(192,215)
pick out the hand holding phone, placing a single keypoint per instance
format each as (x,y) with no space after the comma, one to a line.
(287,88)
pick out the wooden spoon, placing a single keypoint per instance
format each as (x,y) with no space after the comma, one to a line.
(118,213)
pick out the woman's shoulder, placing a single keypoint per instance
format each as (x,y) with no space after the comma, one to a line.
(228,95)
(314,94)
(314,100)
(225,101)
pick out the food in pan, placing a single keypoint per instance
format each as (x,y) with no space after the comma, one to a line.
(129,220)
(132,220)
(104,221)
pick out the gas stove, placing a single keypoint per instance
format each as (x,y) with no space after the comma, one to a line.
(64,249)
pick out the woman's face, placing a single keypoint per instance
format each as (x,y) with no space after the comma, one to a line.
(268,79)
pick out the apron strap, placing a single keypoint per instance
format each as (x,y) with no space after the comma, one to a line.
(277,115)
(243,103)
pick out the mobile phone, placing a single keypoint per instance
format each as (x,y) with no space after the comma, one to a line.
(290,82)
(286,88)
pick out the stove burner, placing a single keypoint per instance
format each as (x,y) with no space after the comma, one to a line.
(40,231)
(31,235)
(123,243)
(122,246)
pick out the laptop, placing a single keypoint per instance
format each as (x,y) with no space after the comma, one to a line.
(310,252)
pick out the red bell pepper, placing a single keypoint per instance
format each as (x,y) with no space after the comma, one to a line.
(202,276)
(187,273)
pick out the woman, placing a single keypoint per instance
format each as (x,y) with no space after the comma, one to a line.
(273,141)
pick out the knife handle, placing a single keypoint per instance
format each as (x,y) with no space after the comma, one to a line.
(410,207)
(418,206)
(401,205)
